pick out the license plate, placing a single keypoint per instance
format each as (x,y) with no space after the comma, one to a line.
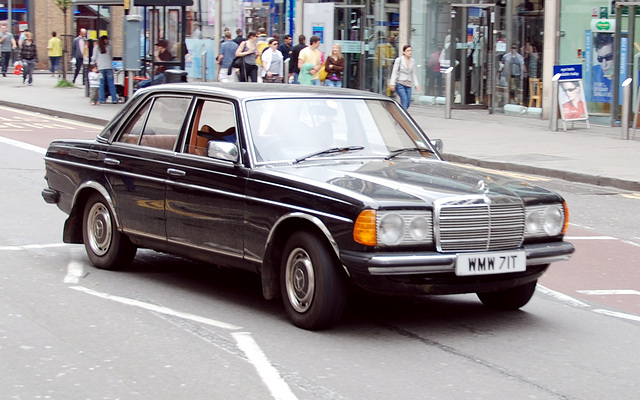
(500,262)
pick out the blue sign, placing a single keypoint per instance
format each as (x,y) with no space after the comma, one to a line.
(568,72)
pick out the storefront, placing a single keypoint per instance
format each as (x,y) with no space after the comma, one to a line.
(596,36)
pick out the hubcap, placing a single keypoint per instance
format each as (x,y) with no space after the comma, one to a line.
(300,280)
(99,229)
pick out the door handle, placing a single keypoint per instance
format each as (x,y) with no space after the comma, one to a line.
(176,172)
(111,161)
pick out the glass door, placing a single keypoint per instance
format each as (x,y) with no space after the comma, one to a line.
(470,51)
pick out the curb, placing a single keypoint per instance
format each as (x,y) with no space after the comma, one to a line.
(55,113)
(551,173)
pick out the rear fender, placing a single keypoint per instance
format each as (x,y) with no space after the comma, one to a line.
(72,232)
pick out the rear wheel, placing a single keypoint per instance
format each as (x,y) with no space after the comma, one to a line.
(106,247)
(509,299)
(313,286)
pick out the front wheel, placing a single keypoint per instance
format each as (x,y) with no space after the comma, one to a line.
(313,286)
(106,247)
(509,299)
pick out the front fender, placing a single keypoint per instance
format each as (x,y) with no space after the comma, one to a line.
(280,232)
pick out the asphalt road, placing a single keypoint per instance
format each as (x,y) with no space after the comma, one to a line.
(168,328)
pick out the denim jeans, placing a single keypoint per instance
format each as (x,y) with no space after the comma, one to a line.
(157,80)
(55,64)
(27,70)
(6,57)
(405,95)
(330,83)
(107,81)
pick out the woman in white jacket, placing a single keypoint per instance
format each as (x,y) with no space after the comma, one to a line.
(404,76)
(272,63)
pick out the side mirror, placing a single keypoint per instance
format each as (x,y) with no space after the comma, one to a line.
(437,143)
(222,150)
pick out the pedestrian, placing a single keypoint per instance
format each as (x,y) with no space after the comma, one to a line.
(239,39)
(285,47)
(272,63)
(7,44)
(312,57)
(102,58)
(334,67)
(295,53)
(263,44)
(94,84)
(225,59)
(247,51)
(404,76)
(22,37)
(29,57)
(160,55)
(514,70)
(77,52)
(54,48)
(435,76)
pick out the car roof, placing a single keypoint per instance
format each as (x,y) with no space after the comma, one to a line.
(249,90)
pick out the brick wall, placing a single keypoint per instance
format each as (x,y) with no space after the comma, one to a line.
(47,17)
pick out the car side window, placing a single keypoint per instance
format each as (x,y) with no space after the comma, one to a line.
(133,130)
(160,126)
(214,120)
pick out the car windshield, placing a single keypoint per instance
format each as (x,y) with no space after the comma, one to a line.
(295,130)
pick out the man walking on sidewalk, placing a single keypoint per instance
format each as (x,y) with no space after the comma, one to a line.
(77,52)
(7,44)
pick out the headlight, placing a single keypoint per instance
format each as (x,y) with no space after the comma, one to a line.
(390,229)
(546,220)
(393,228)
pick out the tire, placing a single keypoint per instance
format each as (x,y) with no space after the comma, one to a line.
(106,247)
(509,299)
(314,289)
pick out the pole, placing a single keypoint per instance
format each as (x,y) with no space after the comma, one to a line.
(626,107)
(448,92)
(203,57)
(553,118)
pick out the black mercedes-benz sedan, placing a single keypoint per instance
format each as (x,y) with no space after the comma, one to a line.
(314,189)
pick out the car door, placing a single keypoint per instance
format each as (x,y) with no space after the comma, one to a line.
(138,163)
(205,198)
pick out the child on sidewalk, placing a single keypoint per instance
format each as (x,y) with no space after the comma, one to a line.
(94,84)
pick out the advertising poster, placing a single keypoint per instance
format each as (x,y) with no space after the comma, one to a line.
(572,101)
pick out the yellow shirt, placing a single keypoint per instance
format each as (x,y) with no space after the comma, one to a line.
(55,47)
(312,56)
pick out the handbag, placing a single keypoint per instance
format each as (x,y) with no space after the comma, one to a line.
(237,62)
(322,73)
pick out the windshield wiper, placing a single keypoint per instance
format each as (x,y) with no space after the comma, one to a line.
(332,150)
(397,152)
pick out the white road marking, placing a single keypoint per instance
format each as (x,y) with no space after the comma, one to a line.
(22,145)
(158,309)
(618,315)
(75,271)
(268,373)
(609,292)
(43,116)
(32,246)
(270,376)
(562,297)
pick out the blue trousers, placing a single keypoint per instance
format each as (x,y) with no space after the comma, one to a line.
(107,83)
(405,95)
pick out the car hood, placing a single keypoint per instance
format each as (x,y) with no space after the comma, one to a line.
(407,180)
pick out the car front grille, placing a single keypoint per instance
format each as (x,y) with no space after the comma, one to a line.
(478,223)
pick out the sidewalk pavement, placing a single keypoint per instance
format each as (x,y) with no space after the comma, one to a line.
(518,144)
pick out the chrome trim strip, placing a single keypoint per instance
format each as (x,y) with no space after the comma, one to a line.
(381,271)
(314,220)
(103,192)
